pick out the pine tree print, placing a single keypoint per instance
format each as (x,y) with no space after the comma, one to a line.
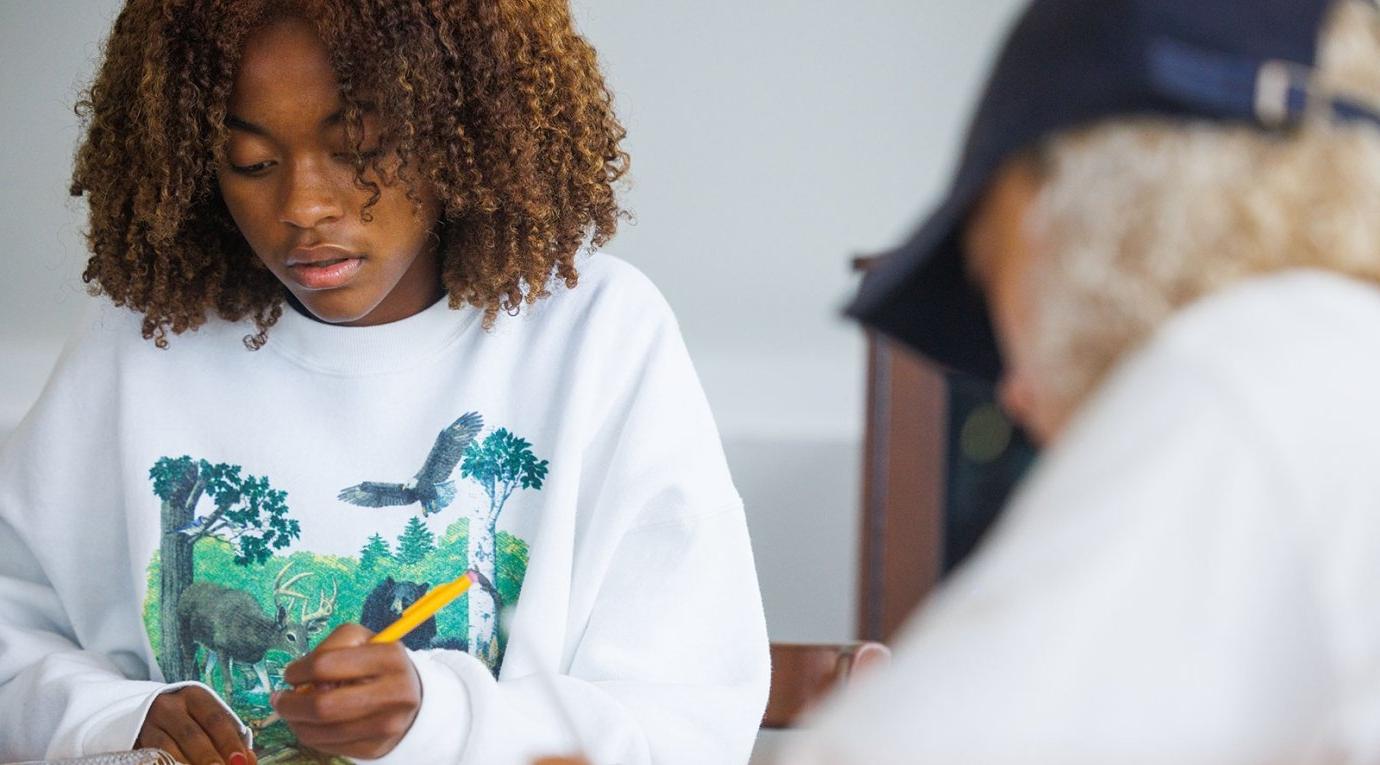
(374,550)
(415,542)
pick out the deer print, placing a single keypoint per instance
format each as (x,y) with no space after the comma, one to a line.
(231,626)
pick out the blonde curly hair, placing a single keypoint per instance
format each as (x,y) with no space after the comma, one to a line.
(1137,218)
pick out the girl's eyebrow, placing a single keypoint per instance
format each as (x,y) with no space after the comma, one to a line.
(335,118)
(235,123)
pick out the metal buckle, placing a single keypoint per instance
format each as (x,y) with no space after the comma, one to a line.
(1276,84)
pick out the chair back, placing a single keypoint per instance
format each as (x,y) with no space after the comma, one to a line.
(804,673)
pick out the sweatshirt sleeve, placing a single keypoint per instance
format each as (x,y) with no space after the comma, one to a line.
(73,677)
(1147,598)
(669,663)
(673,668)
(58,700)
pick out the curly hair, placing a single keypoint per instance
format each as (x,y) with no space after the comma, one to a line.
(498,105)
(1213,204)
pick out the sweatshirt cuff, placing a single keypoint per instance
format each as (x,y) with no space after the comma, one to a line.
(442,727)
(118,727)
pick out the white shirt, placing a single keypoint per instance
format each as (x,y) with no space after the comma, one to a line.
(620,548)
(1190,575)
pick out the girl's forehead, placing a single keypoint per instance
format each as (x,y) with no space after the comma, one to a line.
(286,69)
(284,49)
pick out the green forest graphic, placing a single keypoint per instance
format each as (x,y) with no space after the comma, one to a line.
(228,604)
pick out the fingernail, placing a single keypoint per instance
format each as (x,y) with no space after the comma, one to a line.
(238,758)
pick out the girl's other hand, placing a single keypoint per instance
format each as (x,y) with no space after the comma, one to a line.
(191,725)
(363,696)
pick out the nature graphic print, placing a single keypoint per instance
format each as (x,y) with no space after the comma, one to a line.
(231,600)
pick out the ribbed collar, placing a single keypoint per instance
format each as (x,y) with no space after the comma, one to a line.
(379,349)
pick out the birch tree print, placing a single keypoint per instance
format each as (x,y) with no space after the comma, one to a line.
(501,464)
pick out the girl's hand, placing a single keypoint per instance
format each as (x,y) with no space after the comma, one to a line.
(363,696)
(192,726)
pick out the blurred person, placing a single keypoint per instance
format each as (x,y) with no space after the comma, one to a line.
(1164,240)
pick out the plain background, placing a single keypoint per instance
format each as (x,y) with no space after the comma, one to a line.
(772,140)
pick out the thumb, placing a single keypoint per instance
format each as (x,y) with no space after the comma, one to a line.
(345,636)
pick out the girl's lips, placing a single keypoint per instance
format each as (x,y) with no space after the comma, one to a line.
(325,275)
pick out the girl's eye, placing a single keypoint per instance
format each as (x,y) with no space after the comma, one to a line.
(257,168)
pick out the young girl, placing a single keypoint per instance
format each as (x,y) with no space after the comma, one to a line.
(344,360)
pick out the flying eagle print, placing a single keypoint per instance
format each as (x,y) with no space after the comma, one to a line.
(431,486)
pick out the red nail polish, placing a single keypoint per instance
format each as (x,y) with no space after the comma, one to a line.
(238,758)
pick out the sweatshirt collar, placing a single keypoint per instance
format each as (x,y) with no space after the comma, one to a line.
(369,350)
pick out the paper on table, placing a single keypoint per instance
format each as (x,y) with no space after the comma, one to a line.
(136,757)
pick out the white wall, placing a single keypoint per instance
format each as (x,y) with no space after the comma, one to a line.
(47,50)
(771,141)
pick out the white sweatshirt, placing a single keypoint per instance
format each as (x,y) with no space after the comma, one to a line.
(1189,576)
(334,474)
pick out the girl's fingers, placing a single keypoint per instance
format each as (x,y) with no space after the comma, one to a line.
(195,742)
(220,726)
(369,739)
(188,743)
(347,664)
(345,636)
(156,738)
(336,737)
(357,699)
(324,704)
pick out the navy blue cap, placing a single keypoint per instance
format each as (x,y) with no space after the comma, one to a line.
(1069,64)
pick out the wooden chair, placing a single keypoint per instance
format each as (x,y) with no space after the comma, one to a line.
(926,499)
(804,673)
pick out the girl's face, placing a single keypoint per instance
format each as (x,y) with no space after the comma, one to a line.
(288,181)
(1000,254)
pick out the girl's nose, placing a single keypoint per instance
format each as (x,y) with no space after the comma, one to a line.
(311,196)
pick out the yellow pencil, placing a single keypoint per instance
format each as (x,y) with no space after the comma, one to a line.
(425,607)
